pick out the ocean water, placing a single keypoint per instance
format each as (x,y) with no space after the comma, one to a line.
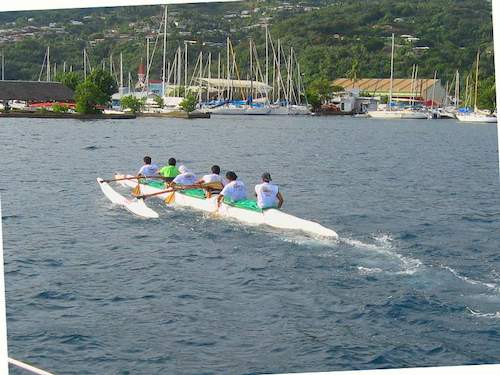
(414,279)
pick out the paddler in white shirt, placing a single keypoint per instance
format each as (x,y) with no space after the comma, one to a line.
(214,179)
(149,169)
(186,177)
(268,195)
(235,190)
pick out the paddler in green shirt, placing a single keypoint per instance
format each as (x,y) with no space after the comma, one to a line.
(170,171)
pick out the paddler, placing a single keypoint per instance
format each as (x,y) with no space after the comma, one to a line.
(268,195)
(149,169)
(170,171)
(216,181)
(234,190)
(186,177)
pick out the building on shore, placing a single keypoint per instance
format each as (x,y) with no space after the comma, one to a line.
(23,94)
(403,90)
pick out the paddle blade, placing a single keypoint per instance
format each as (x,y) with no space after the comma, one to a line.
(170,198)
(213,186)
(137,190)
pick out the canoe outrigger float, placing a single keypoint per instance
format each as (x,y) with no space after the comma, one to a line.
(245,211)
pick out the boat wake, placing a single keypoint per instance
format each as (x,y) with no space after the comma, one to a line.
(478,314)
(383,244)
(491,286)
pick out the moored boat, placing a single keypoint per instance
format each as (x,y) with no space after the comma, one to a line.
(477,117)
(398,114)
(245,211)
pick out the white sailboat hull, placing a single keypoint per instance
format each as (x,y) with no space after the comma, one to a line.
(293,110)
(476,117)
(244,110)
(272,217)
(398,115)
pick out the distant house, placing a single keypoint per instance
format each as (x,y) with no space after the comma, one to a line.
(402,89)
(34,91)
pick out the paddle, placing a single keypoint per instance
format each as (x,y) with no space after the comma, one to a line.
(173,189)
(135,178)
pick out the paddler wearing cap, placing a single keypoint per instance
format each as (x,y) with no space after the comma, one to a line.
(186,177)
(234,190)
(268,195)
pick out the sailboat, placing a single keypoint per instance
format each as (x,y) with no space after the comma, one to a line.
(389,112)
(465,115)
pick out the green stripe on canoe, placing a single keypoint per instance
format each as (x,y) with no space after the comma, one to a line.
(246,204)
(195,193)
(155,184)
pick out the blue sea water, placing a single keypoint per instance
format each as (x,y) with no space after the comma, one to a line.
(413,281)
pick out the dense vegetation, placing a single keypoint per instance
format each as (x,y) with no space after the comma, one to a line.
(339,39)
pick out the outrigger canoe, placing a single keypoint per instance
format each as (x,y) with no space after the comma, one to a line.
(136,206)
(246,211)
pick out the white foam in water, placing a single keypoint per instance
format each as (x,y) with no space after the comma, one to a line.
(470,281)
(384,246)
(495,315)
(369,271)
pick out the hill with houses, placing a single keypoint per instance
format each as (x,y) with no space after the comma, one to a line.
(330,38)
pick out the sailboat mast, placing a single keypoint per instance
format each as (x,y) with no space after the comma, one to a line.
(146,86)
(163,77)
(457,90)
(48,64)
(279,70)
(228,69)
(392,72)
(209,74)
(477,82)
(218,77)
(200,77)
(267,56)
(3,67)
(121,72)
(251,72)
(433,89)
(185,66)
(84,64)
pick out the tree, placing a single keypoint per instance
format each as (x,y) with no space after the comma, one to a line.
(131,102)
(487,94)
(104,81)
(60,108)
(313,98)
(352,74)
(88,96)
(189,103)
(159,101)
(69,79)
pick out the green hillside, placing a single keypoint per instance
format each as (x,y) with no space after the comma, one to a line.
(329,37)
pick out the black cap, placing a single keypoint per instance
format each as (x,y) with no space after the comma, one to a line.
(266,177)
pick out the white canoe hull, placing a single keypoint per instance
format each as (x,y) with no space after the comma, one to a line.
(136,206)
(272,217)
(476,117)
